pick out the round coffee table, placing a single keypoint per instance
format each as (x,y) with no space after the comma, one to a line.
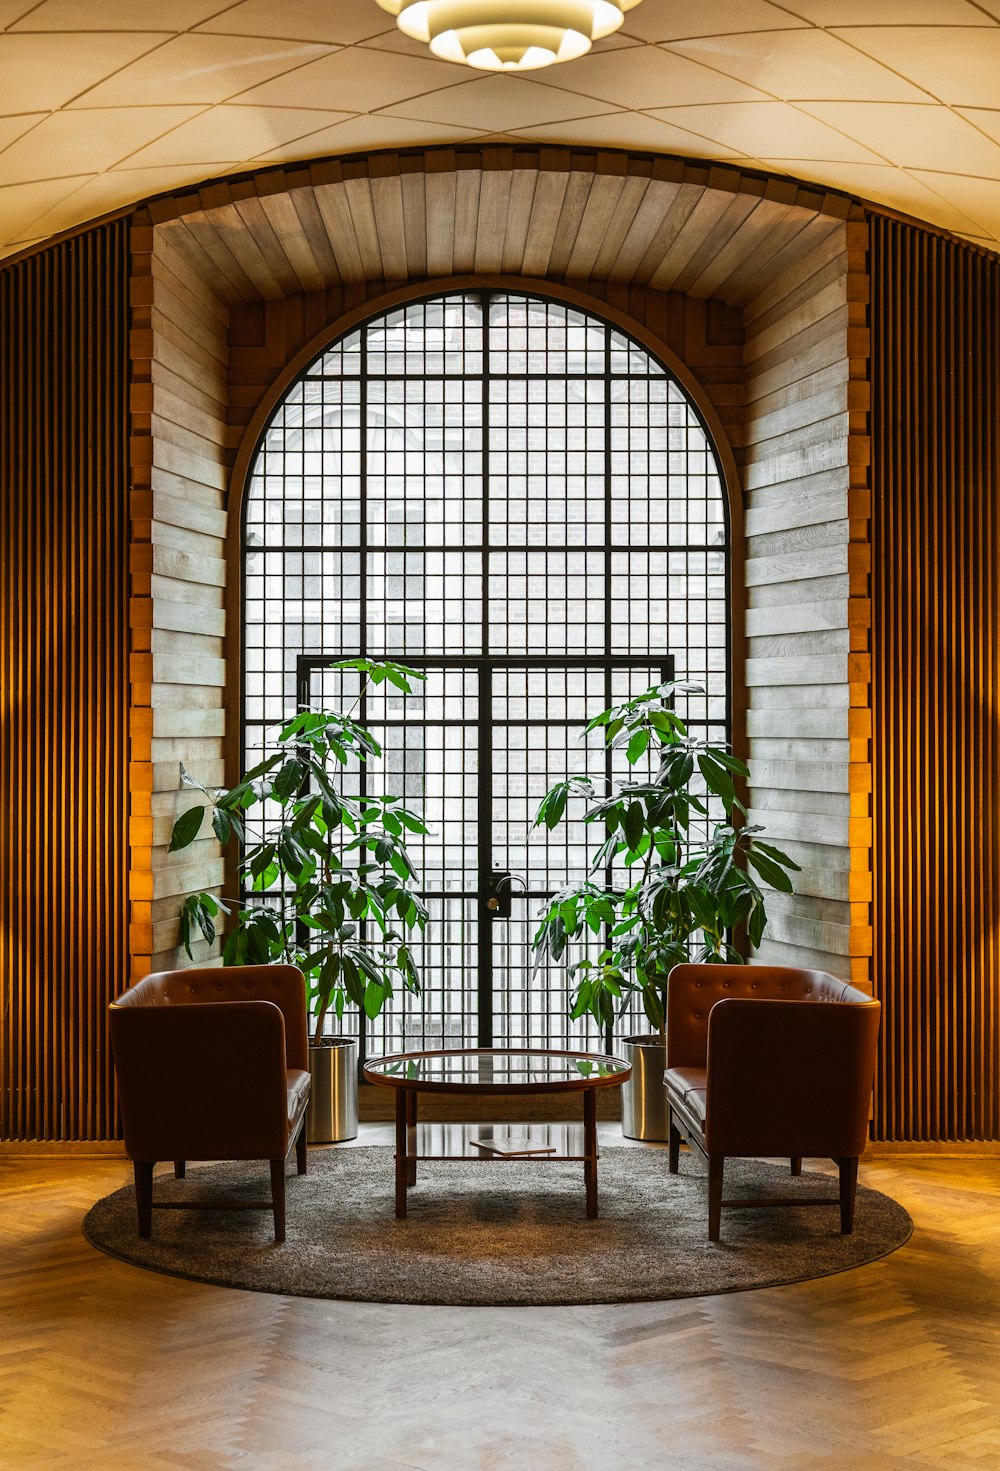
(501,1072)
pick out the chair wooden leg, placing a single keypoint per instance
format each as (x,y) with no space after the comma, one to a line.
(796,1164)
(848,1190)
(180,1167)
(278,1199)
(674,1148)
(142,1170)
(716,1169)
(300,1151)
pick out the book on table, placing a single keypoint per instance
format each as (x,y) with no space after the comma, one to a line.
(513,1145)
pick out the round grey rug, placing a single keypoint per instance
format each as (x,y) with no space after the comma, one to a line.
(496,1234)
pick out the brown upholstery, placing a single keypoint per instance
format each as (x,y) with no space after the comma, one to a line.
(213,1064)
(769,1060)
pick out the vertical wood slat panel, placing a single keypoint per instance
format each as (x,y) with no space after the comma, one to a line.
(63,682)
(936,681)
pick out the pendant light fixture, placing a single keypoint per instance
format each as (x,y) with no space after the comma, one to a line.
(508,35)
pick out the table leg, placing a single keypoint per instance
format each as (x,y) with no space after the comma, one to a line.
(401,1161)
(590,1149)
(411,1124)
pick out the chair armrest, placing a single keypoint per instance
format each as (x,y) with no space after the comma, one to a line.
(202,1081)
(790,1077)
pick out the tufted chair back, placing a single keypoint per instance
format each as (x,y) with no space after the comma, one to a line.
(693,990)
(280,984)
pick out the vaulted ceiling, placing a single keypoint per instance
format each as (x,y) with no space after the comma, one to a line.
(108,102)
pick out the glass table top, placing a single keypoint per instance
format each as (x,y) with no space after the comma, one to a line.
(496,1069)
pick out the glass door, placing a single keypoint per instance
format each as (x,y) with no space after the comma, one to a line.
(473,750)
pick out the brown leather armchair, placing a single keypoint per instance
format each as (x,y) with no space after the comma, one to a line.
(212,1064)
(769,1060)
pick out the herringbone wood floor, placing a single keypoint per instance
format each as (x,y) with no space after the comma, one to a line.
(894,1365)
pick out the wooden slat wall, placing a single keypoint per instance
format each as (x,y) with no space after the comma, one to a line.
(63,682)
(178,670)
(936,682)
(806,474)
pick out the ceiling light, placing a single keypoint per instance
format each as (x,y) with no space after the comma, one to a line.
(508,35)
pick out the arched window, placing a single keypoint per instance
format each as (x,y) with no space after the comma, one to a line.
(516,498)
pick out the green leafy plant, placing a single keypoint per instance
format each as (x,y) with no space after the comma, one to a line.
(674,872)
(330,884)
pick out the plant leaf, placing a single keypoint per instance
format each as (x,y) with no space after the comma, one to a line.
(186,828)
(637,746)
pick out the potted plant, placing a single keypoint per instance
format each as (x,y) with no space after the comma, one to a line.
(326,880)
(672,877)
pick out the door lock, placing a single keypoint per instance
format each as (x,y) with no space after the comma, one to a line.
(498,893)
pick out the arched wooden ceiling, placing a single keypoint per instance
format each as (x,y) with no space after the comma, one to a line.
(674,226)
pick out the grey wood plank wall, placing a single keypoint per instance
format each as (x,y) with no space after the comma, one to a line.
(180,460)
(805,476)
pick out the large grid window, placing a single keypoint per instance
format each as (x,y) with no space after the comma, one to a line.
(517,499)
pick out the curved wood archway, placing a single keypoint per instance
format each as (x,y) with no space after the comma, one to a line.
(753,289)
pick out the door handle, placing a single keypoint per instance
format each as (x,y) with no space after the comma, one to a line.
(498,889)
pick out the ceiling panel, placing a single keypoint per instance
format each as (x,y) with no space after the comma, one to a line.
(914,136)
(342,22)
(230,131)
(770,130)
(975,197)
(108,15)
(50,71)
(14,127)
(884,184)
(22,204)
(636,130)
(112,95)
(794,64)
(59,146)
(352,80)
(953,65)
(890,12)
(499,104)
(98,194)
(360,133)
(665,20)
(199,68)
(648,76)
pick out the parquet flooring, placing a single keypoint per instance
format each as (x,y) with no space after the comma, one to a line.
(107,1368)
